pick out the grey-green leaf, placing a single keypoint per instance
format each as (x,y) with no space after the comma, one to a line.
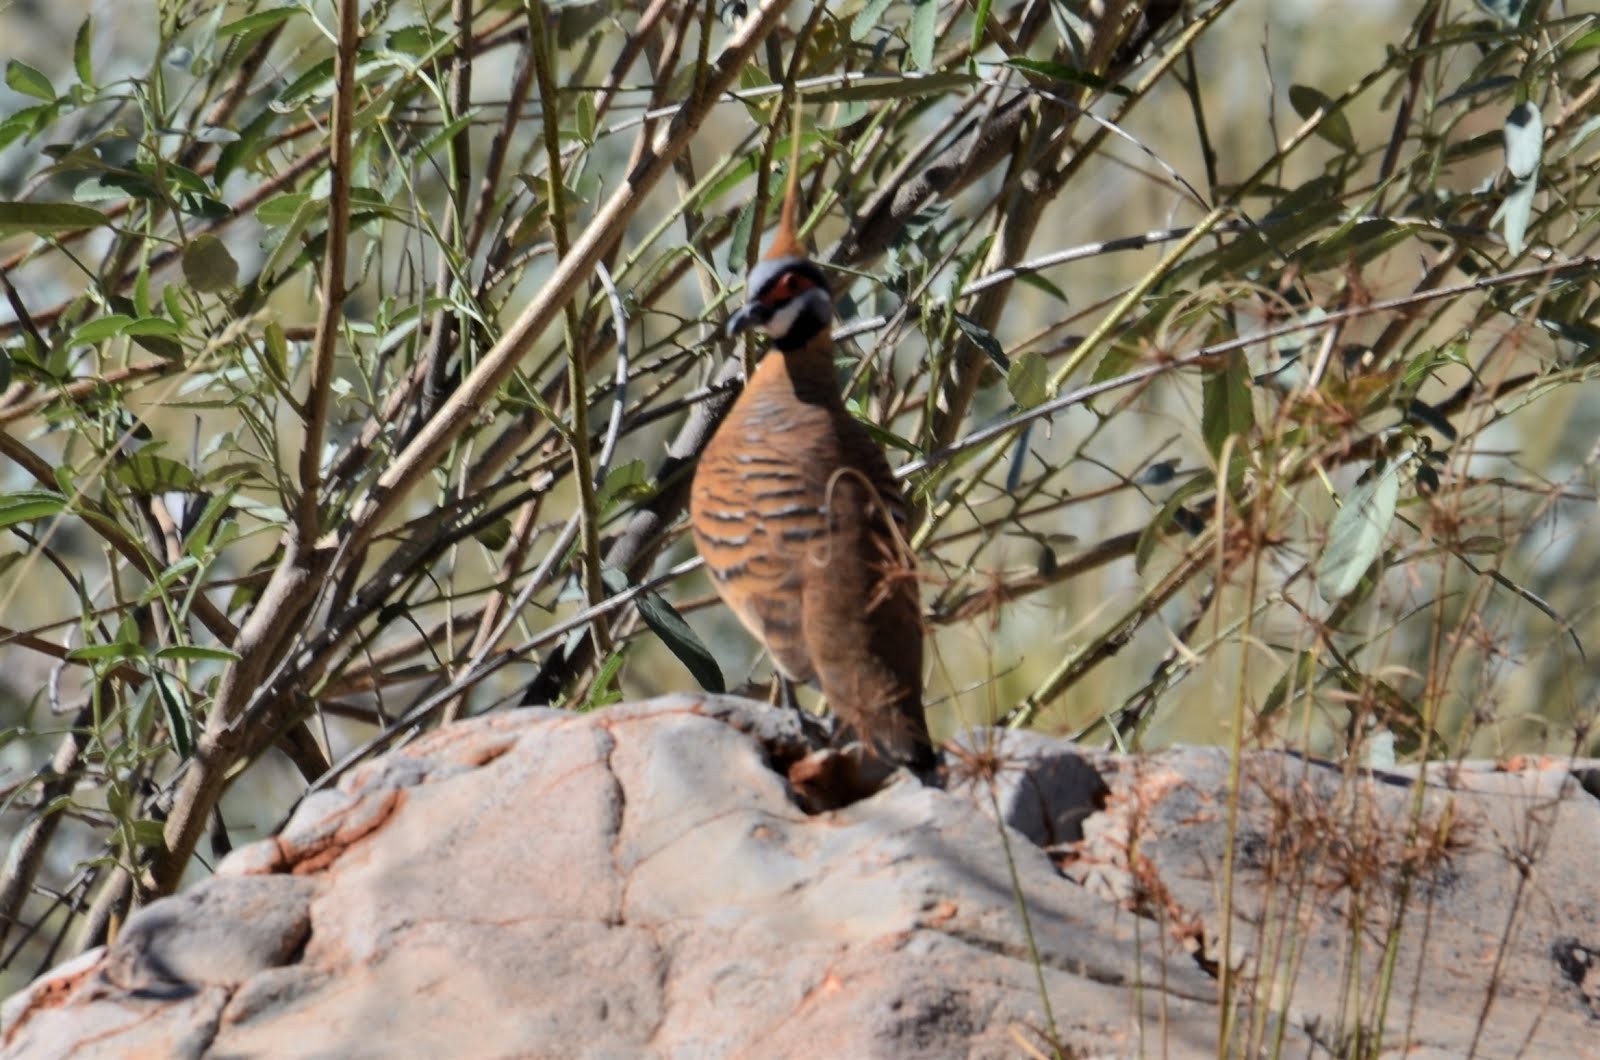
(868,18)
(44,218)
(924,30)
(196,653)
(1225,407)
(208,266)
(259,22)
(1334,127)
(1028,380)
(1356,536)
(625,482)
(984,339)
(100,329)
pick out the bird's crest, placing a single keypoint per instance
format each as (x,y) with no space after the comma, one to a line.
(787,294)
(786,243)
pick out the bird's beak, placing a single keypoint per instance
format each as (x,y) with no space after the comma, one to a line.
(751,314)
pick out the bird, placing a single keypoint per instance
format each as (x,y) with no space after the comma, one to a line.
(800,521)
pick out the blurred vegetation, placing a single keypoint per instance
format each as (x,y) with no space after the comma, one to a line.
(340,350)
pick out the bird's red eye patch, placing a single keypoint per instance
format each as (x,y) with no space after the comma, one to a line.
(786,287)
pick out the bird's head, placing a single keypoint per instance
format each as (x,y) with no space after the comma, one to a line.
(787,294)
(788,299)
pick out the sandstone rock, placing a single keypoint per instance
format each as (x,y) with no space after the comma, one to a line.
(642,882)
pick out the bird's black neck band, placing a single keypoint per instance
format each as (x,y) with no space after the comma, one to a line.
(800,333)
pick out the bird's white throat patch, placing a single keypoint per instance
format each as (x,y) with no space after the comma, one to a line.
(812,303)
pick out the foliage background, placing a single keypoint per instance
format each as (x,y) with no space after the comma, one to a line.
(259,526)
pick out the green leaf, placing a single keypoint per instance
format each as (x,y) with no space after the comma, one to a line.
(277,350)
(868,18)
(1334,126)
(195,653)
(177,717)
(201,533)
(576,20)
(248,147)
(174,305)
(906,86)
(1310,206)
(280,209)
(82,44)
(22,122)
(1356,535)
(1297,677)
(1225,408)
(149,832)
(315,77)
(1244,252)
(112,652)
(152,327)
(370,198)
(289,243)
(626,482)
(30,82)
(185,567)
(739,240)
(100,329)
(1068,74)
(984,339)
(924,32)
(150,473)
(1354,242)
(259,22)
(208,266)
(980,21)
(46,218)
(176,177)
(495,536)
(603,690)
(1039,282)
(885,438)
(110,187)
(416,40)
(1584,43)
(586,117)
(664,620)
(26,505)
(1028,380)
(1482,545)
